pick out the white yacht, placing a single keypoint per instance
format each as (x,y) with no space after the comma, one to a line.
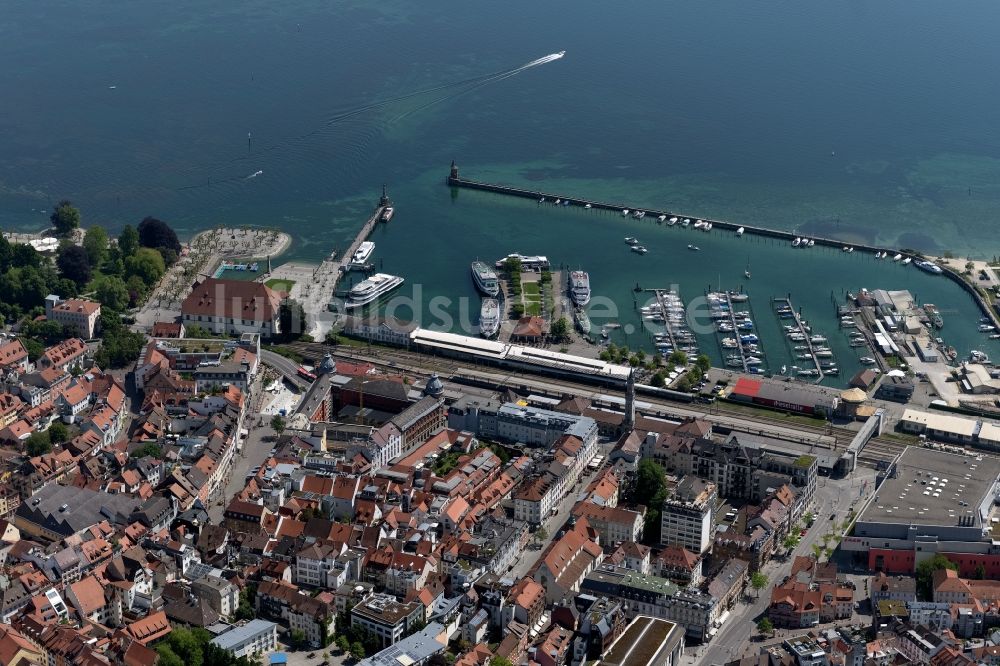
(672,221)
(371,289)
(485,278)
(361,255)
(489,317)
(579,287)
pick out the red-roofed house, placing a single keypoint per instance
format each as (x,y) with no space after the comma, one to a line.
(88,598)
(65,355)
(76,315)
(151,628)
(567,561)
(13,356)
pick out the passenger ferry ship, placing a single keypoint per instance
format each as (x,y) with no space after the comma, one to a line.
(489,318)
(371,289)
(485,278)
(579,287)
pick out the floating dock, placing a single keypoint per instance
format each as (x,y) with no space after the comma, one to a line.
(783,303)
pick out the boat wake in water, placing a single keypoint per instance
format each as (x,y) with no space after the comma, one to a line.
(303,142)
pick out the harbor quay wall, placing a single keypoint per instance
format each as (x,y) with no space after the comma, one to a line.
(454,181)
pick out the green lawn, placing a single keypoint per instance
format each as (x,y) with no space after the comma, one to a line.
(280,285)
(530,289)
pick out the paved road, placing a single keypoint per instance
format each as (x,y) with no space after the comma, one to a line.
(832,496)
(554,523)
(255,450)
(288,368)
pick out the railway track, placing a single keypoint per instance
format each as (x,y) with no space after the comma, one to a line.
(398,359)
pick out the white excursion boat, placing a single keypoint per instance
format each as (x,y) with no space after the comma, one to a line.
(371,290)
(489,317)
(361,255)
(485,278)
(579,287)
(929,266)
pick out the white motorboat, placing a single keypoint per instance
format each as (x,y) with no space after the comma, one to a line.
(907,260)
(897,257)
(694,247)
(631,240)
(624,212)
(796,242)
(661,218)
(867,360)
(739,232)
(639,249)
(672,221)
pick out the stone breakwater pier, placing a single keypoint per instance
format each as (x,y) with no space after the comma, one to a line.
(455,180)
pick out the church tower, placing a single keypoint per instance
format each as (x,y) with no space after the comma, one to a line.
(630,401)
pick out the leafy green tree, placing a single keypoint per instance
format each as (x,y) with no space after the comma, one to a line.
(95,242)
(150,449)
(541,534)
(34,348)
(297,638)
(678,358)
(925,573)
(65,218)
(758,581)
(703,362)
(128,241)
(147,264)
(278,424)
(765,626)
(167,657)
(560,328)
(980,572)
(38,443)
(650,490)
(137,290)
(292,319)
(343,643)
(74,264)
(119,345)
(156,233)
(58,432)
(659,380)
(791,541)
(357,650)
(111,291)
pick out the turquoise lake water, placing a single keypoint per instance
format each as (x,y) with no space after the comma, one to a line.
(866,122)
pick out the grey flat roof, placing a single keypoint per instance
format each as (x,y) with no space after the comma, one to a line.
(929,487)
(239,635)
